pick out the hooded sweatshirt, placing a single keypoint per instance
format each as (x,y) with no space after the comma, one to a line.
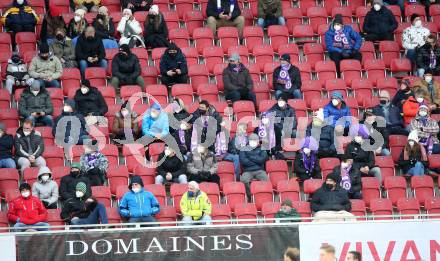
(45,191)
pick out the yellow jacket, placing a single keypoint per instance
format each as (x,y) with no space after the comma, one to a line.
(195,206)
(81,2)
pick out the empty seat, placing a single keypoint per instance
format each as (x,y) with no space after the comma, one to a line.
(423,187)
(351,70)
(317,15)
(117,176)
(303,34)
(198,74)
(221,212)
(400,67)
(132,93)
(432,206)
(54,156)
(70,79)
(263,54)
(213,55)
(277,170)
(176,193)
(134,155)
(203,37)
(375,69)
(103,195)
(278,35)
(288,189)
(381,207)
(235,193)
(396,143)
(395,188)
(291,49)
(312,185)
(389,50)
(243,109)
(293,16)
(303,208)
(246,211)
(184,92)
(261,192)
(327,165)
(9,180)
(113,215)
(269,209)
(370,189)
(97,76)
(167,214)
(313,52)
(225,170)
(191,55)
(208,92)
(158,191)
(358,208)
(408,206)
(193,19)
(157,93)
(362,89)
(326,70)
(179,36)
(26,41)
(212,190)
(228,36)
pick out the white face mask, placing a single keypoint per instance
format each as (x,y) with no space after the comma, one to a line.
(337,27)
(428,79)
(26,133)
(183,126)
(200,150)
(26,194)
(423,113)
(35,93)
(136,190)
(84,90)
(77,18)
(418,23)
(20,2)
(79,194)
(306,151)
(281,104)
(411,143)
(154,114)
(124,113)
(253,143)
(177,108)
(67,109)
(344,165)
(45,178)
(265,121)
(358,139)
(168,152)
(376,7)
(335,102)
(419,99)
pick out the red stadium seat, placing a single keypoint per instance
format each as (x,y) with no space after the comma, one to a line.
(381,207)
(191,55)
(193,19)
(198,74)
(176,193)
(375,69)
(269,209)
(243,109)
(172,19)
(183,6)
(303,208)
(311,90)
(208,92)
(223,108)
(326,70)
(277,170)
(396,143)
(108,93)
(268,70)
(386,165)
(336,85)
(314,52)
(149,74)
(212,190)
(423,187)
(147,174)
(155,149)
(317,15)
(367,51)
(303,34)
(370,189)
(235,193)
(5,42)
(26,41)
(278,35)
(261,192)
(30,175)
(54,219)
(97,76)
(396,12)
(225,170)
(213,55)
(362,88)
(112,5)
(117,176)
(415,9)
(179,36)
(263,54)
(291,49)
(389,50)
(71,79)
(395,188)
(353,4)
(408,206)
(432,206)
(300,107)
(159,192)
(329,5)
(184,92)
(221,212)
(9,180)
(262,91)
(59,172)
(54,156)
(358,208)
(387,84)
(62,5)
(46,133)
(245,211)
(228,36)
(288,189)
(242,51)
(113,215)
(166,214)
(400,67)
(319,103)
(312,185)
(344,11)
(327,165)
(132,93)
(164,5)
(293,16)
(157,93)
(103,195)
(134,155)
(156,55)
(351,70)
(253,35)
(203,37)
(5,99)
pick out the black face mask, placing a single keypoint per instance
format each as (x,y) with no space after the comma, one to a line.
(172,55)
(329,186)
(90,38)
(204,112)
(383,102)
(60,37)
(44,57)
(15,59)
(75,173)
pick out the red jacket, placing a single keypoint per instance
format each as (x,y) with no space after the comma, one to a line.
(410,109)
(30,210)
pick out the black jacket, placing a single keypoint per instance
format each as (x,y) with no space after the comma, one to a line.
(253,160)
(211,9)
(77,207)
(355,178)
(325,199)
(406,165)
(28,145)
(377,132)
(104,32)
(6,144)
(423,55)
(287,112)
(361,158)
(301,171)
(295,79)
(68,186)
(326,139)
(65,136)
(92,102)
(150,29)
(395,119)
(399,98)
(126,68)
(379,22)
(89,48)
(171,164)
(179,62)
(234,81)
(174,131)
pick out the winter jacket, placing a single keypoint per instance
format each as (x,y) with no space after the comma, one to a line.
(361,158)
(337,113)
(104,32)
(68,186)
(172,165)
(410,109)
(424,131)
(130,29)
(291,214)
(376,131)
(126,68)
(99,161)
(413,37)
(47,192)
(65,116)
(28,211)
(196,206)
(212,112)
(326,136)
(17,70)
(325,199)
(77,207)
(6,144)
(295,79)
(177,118)
(152,127)
(212,10)
(395,119)
(355,178)
(205,163)
(90,103)
(234,148)
(379,22)
(119,125)
(184,141)
(19,15)
(253,160)
(269,9)
(137,205)
(432,93)
(51,25)
(74,30)
(179,62)
(301,171)
(26,146)
(423,56)
(400,98)
(65,50)
(89,48)
(353,37)
(234,81)
(287,112)
(51,67)
(151,31)
(409,163)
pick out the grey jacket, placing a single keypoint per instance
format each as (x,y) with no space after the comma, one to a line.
(206,163)
(30,103)
(45,191)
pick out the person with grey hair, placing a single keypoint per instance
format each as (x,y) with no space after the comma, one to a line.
(6,144)
(195,206)
(29,147)
(35,104)
(237,81)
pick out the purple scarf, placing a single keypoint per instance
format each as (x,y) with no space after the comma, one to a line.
(240,141)
(345,178)
(182,137)
(267,133)
(309,162)
(340,40)
(194,135)
(432,60)
(284,75)
(221,145)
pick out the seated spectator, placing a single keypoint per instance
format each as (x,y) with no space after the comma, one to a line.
(342,42)
(431,89)
(123,117)
(403,93)
(27,211)
(237,81)
(411,106)
(62,48)
(287,79)
(90,51)
(83,209)
(306,162)
(223,13)
(155,123)
(16,73)
(390,113)
(195,206)
(331,202)
(337,113)
(203,121)
(427,130)
(20,17)
(65,133)
(266,132)
(126,69)
(414,37)
(94,164)
(6,144)
(319,129)
(371,122)
(202,166)
(172,169)
(413,159)
(45,188)
(287,211)
(130,30)
(104,27)
(291,254)
(136,5)
(68,183)
(91,104)
(77,24)
(46,68)
(253,162)
(287,118)
(173,66)
(87,5)
(350,178)
(155,29)
(52,22)
(327,253)
(182,130)
(428,57)
(138,205)
(270,12)
(379,23)
(29,147)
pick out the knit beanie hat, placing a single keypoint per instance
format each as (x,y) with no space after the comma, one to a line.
(338,19)
(338,95)
(44,48)
(336,177)
(379,2)
(285,57)
(81,186)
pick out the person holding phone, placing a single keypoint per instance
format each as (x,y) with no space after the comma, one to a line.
(223,13)
(173,66)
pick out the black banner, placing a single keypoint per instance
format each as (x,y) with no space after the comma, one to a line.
(240,243)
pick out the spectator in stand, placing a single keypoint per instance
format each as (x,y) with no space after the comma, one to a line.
(182,130)
(45,188)
(77,24)
(390,113)
(138,205)
(268,136)
(155,123)
(202,165)
(172,169)
(52,22)
(46,68)
(155,29)
(87,5)
(29,147)
(20,17)
(91,104)
(337,113)
(126,69)
(130,30)
(291,254)
(104,27)
(68,183)
(350,177)
(342,42)
(35,105)
(287,118)
(379,23)
(173,66)
(253,162)
(16,73)
(306,162)
(136,5)
(287,211)
(27,211)
(90,51)
(403,93)
(414,37)
(319,129)
(413,159)
(223,13)
(83,209)
(6,144)
(411,106)
(125,123)
(354,255)
(372,123)
(94,164)
(66,133)
(270,12)
(427,130)
(195,206)
(237,81)
(431,90)
(327,253)
(428,57)
(331,202)
(287,79)
(62,48)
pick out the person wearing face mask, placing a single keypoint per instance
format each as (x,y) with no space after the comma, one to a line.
(6,145)
(91,104)
(136,5)
(428,57)
(173,66)
(268,136)
(181,129)
(90,51)
(73,121)
(371,122)
(83,209)
(77,24)
(155,29)
(322,132)
(172,169)
(62,47)
(253,161)
(20,17)
(16,73)
(94,164)
(52,22)
(390,113)
(27,211)
(413,159)
(46,68)
(431,90)
(306,162)
(236,144)
(414,37)
(68,183)
(126,69)
(287,116)
(238,81)
(202,165)
(103,24)
(379,23)
(350,178)
(125,121)
(130,30)
(138,205)
(337,112)
(87,5)
(29,147)
(155,123)
(427,130)
(45,188)
(411,106)
(342,42)
(195,206)
(287,79)
(403,93)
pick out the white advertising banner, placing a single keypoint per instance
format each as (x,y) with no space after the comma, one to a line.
(414,240)
(7,248)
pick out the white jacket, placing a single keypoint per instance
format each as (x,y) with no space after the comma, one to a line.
(129,29)
(413,37)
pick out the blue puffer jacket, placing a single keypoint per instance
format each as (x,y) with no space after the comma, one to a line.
(253,160)
(19,14)
(353,37)
(136,205)
(336,113)
(152,127)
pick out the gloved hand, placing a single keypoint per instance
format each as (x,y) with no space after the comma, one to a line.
(125,213)
(346,54)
